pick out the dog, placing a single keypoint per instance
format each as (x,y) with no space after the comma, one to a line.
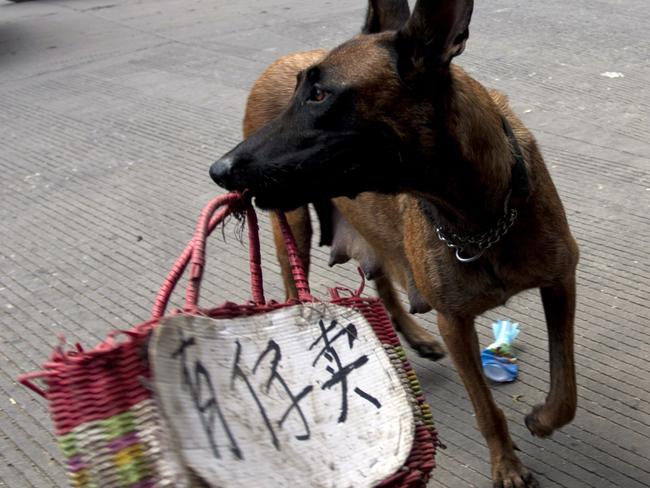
(430,181)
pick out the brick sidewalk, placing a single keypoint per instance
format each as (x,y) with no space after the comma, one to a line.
(111,112)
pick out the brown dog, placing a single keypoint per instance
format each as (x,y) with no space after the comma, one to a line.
(437,186)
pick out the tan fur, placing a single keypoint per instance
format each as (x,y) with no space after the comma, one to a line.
(539,250)
(268,97)
(273,90)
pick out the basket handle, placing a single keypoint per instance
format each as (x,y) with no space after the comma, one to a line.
(213,214)
(203,229)
(26,379)
(297,267)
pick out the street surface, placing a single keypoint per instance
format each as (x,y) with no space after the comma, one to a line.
(111,112)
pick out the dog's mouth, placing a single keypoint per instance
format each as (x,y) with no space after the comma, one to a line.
(315,168)
(288,197)
(287,185)
(278,198)
(269,201)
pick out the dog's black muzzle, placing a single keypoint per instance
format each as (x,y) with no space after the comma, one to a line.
(220,171)
(230,171)
(285,164)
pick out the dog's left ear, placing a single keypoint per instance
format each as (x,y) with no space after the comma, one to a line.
(385,15)
(435,33)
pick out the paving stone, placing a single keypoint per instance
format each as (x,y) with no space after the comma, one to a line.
(112,111)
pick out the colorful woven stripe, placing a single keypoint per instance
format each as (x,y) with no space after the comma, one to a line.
(115,452)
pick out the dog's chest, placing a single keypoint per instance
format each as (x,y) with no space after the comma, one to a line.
(455,287)
(469,288)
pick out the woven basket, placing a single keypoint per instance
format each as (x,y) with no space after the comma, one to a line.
(107,421)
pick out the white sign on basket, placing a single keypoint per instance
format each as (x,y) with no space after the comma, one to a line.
(304,395)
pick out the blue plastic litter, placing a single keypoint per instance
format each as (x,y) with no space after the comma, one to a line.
(499,361)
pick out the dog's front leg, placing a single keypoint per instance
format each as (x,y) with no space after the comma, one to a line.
(461,340)
(559,307)
(417,336)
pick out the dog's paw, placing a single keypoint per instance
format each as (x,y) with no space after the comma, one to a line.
(536,423)
(544,419)
(432,350)
(517,481)
(513,475)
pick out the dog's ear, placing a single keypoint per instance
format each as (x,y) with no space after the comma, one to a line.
(385,15)
(432,36)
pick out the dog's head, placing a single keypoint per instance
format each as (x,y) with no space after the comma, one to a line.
(361,118)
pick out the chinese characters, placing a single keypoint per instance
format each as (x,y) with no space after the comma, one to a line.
(274,396)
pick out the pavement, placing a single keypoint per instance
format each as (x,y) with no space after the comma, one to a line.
(111,112)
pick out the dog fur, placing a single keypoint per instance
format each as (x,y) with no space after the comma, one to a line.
(420,130)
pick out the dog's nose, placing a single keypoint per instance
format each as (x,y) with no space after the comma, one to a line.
(220,171)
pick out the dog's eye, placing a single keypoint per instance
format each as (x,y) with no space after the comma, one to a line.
(318,95)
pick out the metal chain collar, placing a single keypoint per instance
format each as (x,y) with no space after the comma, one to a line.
(519,188)
(483,241)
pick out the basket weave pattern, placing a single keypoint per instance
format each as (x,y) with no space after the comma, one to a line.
(106,420)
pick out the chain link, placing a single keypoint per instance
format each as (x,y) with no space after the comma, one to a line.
(483,241)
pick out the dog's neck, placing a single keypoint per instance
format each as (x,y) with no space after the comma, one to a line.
(473,161)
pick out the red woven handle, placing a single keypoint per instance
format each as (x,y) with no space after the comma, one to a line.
(297,268)
(213,214)
(26,379)
(254,256)
(207,223)
(203,230)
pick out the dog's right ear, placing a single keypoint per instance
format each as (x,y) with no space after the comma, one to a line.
(433,35)
(385,15)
